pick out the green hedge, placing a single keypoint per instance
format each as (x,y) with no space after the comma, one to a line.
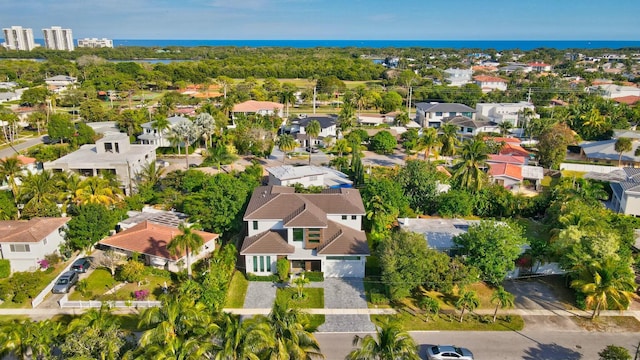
(5,268)
(314,276)
(270,278)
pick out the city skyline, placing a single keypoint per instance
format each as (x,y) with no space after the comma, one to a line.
(332,19)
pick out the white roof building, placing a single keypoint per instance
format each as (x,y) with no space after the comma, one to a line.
(286,175)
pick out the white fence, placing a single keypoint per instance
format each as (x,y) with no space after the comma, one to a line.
(66,303)
(40,298)
(589,168)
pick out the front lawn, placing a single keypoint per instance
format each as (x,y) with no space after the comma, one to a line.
(100,281)
(237,291)
(312,298)
(449,321)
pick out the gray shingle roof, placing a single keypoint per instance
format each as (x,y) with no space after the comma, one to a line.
(468,122)
(444,107)
(605,149)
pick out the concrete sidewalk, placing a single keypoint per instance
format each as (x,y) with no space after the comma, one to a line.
(324,311)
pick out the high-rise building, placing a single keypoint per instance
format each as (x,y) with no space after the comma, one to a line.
(17,38)
(95,43)
(57,38)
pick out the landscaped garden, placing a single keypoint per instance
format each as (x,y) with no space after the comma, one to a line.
(237,291)
(100,285)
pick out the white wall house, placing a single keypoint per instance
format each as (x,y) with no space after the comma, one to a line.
(612,91)
(501,112)
(152,136)
(490,83)
(25,242)
(469,127)
(433,114)
(258,108)
(314,232)
(112,153)
(458,77)
(328,128)
(288,175)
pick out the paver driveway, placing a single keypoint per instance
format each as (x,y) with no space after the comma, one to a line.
(344,293)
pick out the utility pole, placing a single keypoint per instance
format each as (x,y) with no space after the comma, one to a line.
(409,102)
(529,96)
(314,99)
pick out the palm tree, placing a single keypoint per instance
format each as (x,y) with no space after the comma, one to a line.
(286,143)
(237,339)
(28,339)
(341,147)
(38,193)
(150,174)
(161,124)
(429,141)
(609,283)
(10,170)
(449,139)
(300,282)
(96,190)
(68,184)
(205,126)
(100,318)
(180,329)
(313,130)
(505,127)
(346,118)
(287,96)
(503,299)
(467,172)
(468,300)
(622,145)
(185,131)
(189,241)
(389,343)
(292,333)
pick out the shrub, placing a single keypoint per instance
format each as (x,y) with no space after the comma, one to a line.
(141,294)
(131,271)
(282,265)
(271,278)
(377,298)
(5,268)
(314,276)
(44,264)
(53,259)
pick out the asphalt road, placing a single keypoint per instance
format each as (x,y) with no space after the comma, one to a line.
(8,152)
(507,345)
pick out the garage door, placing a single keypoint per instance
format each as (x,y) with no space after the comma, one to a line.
(352,266)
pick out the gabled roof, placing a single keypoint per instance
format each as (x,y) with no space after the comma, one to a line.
(29,231)
(507,170)
(151,239)
(253,106)
(629,100)
(268,242)
(468,122)
(605,149)
(25,160)
(507,159)
(325,121)
(444,107)
(344,241)
(485,78)
(280,202)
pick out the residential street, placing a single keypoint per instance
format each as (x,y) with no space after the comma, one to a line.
(507,345)
(8,151)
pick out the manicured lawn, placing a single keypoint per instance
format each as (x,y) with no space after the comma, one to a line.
(533,229)
(101,281)
(313,298)
(316,320)
(450,322)
(237,291)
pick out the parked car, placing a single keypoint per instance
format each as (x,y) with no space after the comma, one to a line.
(312,150)
(447,352)
(81,265)
(65,282)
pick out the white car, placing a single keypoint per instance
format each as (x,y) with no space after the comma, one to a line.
(448,352)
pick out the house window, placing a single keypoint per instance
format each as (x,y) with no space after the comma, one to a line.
(117,148)
(438,113)
(20,248)
(452,114)
(354,217)
(44,241)
(344,217)
(261,263)
(269,263)
(469,130)
(298,234)
(108,147)
(343,257)
(467,114)
(255,264)
(313,235)
(255,225)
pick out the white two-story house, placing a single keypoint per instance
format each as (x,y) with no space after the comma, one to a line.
(434,114)
(328,128)
(152,136)
(314,232)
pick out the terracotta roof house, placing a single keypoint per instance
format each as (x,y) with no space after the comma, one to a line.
(512,149)
(258,107)
(24,243)
(314,232)
(539,66)
(490,83)
(629,100)
(506,140)
(150,240)
(507,159)
(507,175)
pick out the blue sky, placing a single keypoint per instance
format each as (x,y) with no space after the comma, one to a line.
(331,19)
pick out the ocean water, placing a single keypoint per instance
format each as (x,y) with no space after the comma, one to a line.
(441,44)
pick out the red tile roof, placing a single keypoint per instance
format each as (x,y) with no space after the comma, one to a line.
(510,149)
(629,100)
(507,159)
(253,106)
(538,64)
(485,78)
(25,160)
(507,140)
(508,170)
(151,239)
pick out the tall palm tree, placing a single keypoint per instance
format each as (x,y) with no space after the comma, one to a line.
(180,329)
(389,343)
(38,193)
(286,143)
(293,336)
(237,339)
(10,171)
(468,300)
(429,141)
(341,147)
(68,184)
(505,127)
(150,174)
(188,242)
(503,299)
(161,124)
(313,130)
(287,96)
(185,131)
(449,139)
(96,190)
(468,171)
(205,127)
(622,145)
(609,283)
(346,118)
